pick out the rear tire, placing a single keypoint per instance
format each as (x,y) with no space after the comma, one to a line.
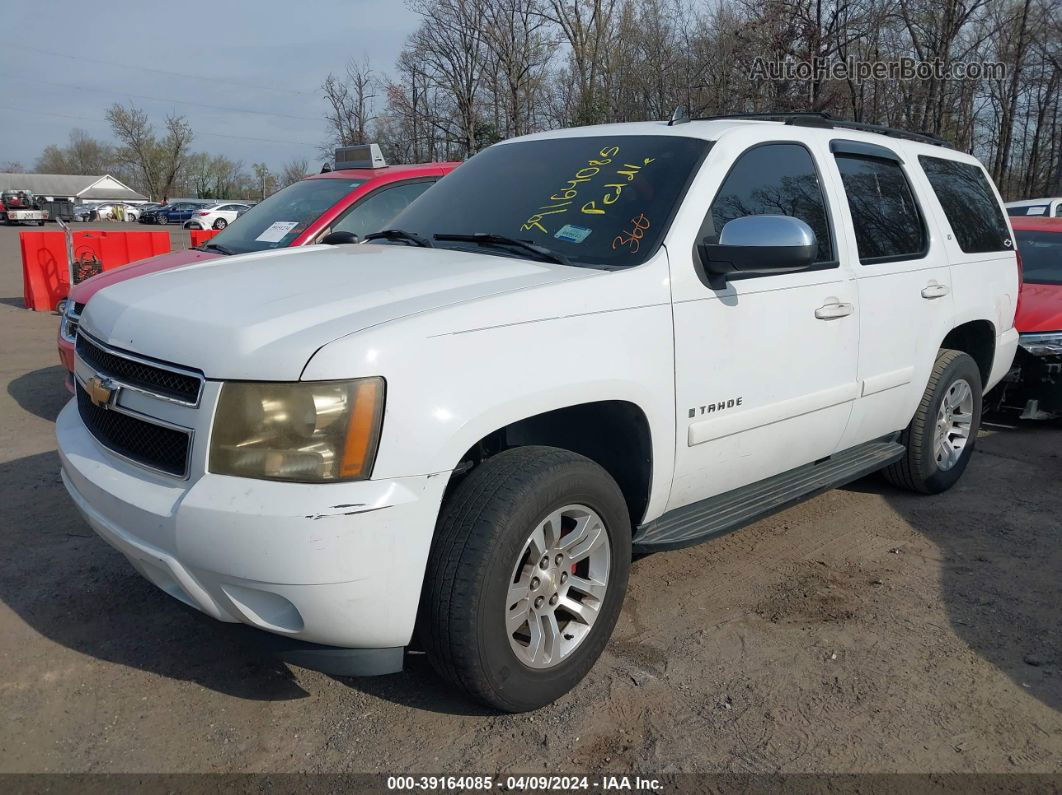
(161,219)
(942,435)
(485,550)
(220,224)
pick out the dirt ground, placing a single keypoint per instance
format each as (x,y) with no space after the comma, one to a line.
(866,630)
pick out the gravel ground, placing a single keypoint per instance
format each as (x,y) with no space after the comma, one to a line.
(866,630)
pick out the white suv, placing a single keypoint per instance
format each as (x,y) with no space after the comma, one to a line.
(578,344)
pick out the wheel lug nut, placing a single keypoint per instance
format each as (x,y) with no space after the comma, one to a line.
(534,583)
(539,601)
(553,599)
(564,576)
(544,563)
(559,558)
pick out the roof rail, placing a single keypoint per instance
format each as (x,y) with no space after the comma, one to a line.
(809,118)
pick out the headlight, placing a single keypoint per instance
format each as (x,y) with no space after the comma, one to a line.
(310,432)
(1042,344)
(69,321)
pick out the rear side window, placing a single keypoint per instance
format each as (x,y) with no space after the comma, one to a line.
(888,224)
(773,179)
(969,204)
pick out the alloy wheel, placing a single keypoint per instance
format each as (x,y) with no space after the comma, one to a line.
(954,422)
(558,586)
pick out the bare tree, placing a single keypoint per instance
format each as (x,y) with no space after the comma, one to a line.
(350,103)
(293,171)
(158,161)
(264,181)
(478,70)
(450,44)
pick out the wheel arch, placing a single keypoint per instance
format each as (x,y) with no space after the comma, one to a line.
(977,339)
(615,434)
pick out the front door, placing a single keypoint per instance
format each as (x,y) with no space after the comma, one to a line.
(766,367)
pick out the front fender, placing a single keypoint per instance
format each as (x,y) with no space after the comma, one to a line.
(447,389)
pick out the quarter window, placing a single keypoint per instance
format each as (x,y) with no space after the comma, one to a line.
(776,179)
(969,204)
(888,225)
(376,210)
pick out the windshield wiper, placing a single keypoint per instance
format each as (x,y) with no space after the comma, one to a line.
(216,247)
(400,234)
(488,239)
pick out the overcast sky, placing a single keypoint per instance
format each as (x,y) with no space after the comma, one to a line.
(65,61)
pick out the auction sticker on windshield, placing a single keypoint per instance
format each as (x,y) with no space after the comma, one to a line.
(275,232)
(572,234)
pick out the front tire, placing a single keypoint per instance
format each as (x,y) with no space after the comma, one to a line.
(943,432)
(526,577)
(220,224)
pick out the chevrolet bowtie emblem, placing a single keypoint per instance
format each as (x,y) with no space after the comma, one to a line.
(101,391)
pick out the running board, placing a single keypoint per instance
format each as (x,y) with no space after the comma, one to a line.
(723,513)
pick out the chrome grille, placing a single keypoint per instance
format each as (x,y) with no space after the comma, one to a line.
(139,374)
(146,443)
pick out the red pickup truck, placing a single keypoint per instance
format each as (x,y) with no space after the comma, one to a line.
(355,200)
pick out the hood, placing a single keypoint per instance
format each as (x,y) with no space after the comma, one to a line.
(1041,309)
(262,316)
(85,290)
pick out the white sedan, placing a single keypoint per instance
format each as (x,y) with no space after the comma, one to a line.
(112,211)
(215,216)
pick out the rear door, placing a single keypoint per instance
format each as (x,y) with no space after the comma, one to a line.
(979,246)
(904,284)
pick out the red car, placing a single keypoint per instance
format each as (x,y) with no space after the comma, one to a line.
(355,200)
(1034,385)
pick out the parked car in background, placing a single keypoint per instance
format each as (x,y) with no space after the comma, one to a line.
(1043,208)
(179,212)
(148,212)
(356,200)
(580,345)
(85,211)
(216,216)
(1033,387)
(116,211)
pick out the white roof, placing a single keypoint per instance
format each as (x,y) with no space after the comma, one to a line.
(716,129)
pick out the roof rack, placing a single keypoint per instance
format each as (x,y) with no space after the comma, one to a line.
(808,118)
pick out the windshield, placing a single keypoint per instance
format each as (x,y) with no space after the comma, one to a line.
(279,219)
(596,200)
(1041,256)
(1027,209)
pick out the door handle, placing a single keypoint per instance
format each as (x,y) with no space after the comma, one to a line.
(834,311)
(932,291)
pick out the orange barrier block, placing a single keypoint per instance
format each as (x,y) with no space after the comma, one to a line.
(201,236)
(44,271)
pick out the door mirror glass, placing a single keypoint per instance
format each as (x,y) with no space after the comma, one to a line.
(758,244)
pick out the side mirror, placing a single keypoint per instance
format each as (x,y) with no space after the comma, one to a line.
(758,244)
(339,238)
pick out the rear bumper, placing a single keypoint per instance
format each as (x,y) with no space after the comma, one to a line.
(339,564)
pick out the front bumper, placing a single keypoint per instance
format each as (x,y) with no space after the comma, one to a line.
(336,564)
